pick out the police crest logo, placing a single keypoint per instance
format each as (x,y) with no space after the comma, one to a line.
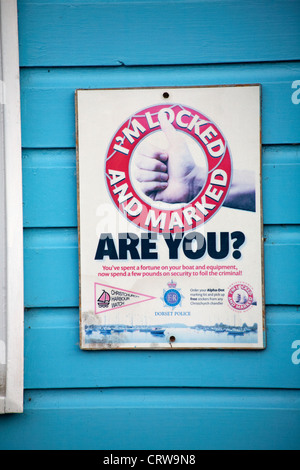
(169,191)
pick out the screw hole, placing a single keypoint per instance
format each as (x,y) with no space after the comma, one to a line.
(166,94)
(172,339)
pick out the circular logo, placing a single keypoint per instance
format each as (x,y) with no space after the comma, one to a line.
(172,297)
(184,168)
(240,296)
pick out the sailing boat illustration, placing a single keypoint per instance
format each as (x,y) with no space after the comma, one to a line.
(104,299)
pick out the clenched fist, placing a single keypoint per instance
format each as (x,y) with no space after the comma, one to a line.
(168,175)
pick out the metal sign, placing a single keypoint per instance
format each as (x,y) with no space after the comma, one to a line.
(170,222)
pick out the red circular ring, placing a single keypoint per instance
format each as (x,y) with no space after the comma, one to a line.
(119,155)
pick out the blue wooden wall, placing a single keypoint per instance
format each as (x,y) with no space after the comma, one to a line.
(153,399)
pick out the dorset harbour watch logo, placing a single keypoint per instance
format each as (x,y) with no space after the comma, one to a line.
(108,298)
(172,297)
(168,168)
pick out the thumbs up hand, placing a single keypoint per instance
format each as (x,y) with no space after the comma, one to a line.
(169,175)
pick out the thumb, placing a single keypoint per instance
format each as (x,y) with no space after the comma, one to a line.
(166,127)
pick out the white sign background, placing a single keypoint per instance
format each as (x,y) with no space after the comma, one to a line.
(137,315)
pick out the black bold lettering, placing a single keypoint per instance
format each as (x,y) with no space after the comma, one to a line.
(147,245)
(106,247)
(212,245)
(128,243)
(173,244)
(188,245)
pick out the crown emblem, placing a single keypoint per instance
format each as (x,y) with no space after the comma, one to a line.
(172,284)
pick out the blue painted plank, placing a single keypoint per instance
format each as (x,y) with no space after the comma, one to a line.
(50,199)
(53,358)
(49,188)
(48,109)
(280,184)
(51,266)
(282,256)
(175,32)
(155,419)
